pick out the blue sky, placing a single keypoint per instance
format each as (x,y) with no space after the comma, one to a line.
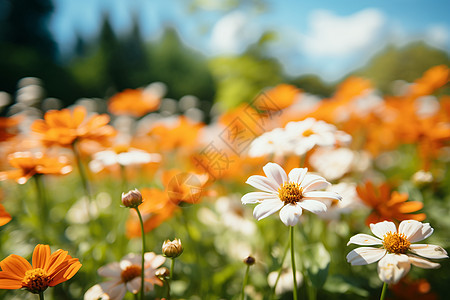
(329,38)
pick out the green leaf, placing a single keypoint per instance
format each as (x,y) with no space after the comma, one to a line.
(316,262)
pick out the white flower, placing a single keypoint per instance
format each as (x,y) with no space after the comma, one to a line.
(397,252)
(332,163)
(125,158)
(272,142)
(289,194)
(350,201)
(286,280)
(126,276)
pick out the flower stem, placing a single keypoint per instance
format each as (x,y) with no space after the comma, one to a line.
(245,282)
(383,291)
(143,252)
(281,269)
(293,262)
(82,172)
(41,296)
(172,266)
(42,202)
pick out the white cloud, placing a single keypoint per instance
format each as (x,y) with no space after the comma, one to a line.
(233,33)
(437,35)
(332,35)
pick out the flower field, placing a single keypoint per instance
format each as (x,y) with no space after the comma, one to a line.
(287,196)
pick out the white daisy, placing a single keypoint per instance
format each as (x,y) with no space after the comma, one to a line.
(289,194)
(126,276)
(397,252)
(131,156)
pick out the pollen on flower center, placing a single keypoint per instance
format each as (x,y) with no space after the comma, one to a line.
(396,243)
(130,273)
(36,280)
(290,192)
(308,132)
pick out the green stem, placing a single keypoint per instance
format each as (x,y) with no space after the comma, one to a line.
(172,268)
(293,262)
(383,291)
(281,269)
(41,296)
(143,252)
(42,202)
(245,282)
(81,171)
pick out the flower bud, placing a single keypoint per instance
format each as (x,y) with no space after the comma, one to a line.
(132,199)
(250,260)
(162,273)
(172,249)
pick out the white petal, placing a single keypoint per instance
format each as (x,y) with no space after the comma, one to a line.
(262,183)
(297,175)
(257,197)
(290,214)
(266,208)
(429,251)
(381,228)
(115,291)
(365,255)
(314,182)
(409,228)
(422,262)
(134,285)
(422,233)
(110,270)
(156,262)
(364,239)
(313,206)
(393,267)
(94,293)
(275,173)
(321,195)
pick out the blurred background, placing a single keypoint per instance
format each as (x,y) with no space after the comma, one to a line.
(222,51)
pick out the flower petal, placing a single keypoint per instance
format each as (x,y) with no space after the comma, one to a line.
(364,239)
(290,214)
(115,290)
(266,208)
(422,262)
(365,255)
(134,285)
(313,206)
(322,195)
(262,183)
(421,233)
(10,281)
(275,173)
(381,228)
(16,265)
(41,255)
(297,175)
(429,251)
(314,182)
(409,228)
(110,270)
(393,267)
(257,197)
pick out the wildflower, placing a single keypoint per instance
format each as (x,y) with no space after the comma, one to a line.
(48,269)
(277,98)
(173,248)
(288,193)
(9,128)
(126,276)
(332,163)
(4,216)
(349,203)
(397,251)
(388,206)
(64,127)
(136,102)
(249,260)
(28,164)
(132,199)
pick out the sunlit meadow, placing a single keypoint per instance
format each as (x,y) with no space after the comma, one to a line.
(284,197)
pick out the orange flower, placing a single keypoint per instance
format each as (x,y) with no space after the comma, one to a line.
(8,128)
(64,128)
(277,98)
(431,80)
(28,164)
(47,270)
(4,216)
(408,289)
(133,102)
(387,206)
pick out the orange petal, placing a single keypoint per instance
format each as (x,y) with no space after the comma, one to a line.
(16,265)
(4,216)
(56,259)
(9,281)
(410,206)
(41,255)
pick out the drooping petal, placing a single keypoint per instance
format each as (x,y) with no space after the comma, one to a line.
(422,262)
(10,281)
(16,265)
(290,214)
(313,206)
(314,182)
(266,208)
(275,173)
(95,292)
(364,239)
(297,175)
(365,255)
(41,255)
(409,228)
(321,195)
(422,233)
(257,197)
(381,228)
(393,267)
(262,183)
(429,251)
(115,290)
(134,285)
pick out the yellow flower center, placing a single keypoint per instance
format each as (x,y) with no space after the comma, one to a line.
(308,132)
(36,280)
(130,273)
(396,243)
(290,193)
